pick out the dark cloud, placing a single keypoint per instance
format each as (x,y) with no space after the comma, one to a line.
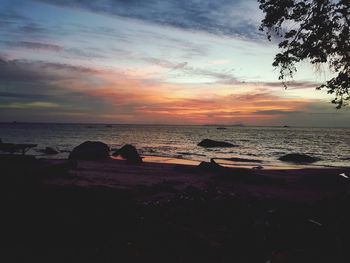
(25,96)
(37,71)
(35,45)
(221,17)
(75,52)
(40,91)
(16,71)
(83,53)
(12,21)
(11,16)
(36,81)
(31,28)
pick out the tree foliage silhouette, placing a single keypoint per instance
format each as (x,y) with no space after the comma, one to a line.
(314,30)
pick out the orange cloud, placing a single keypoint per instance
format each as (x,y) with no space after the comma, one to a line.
(85,94)
(156,102)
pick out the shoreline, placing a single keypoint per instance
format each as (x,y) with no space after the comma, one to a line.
(299,183)
(222,161)
(175,125)
(182,142)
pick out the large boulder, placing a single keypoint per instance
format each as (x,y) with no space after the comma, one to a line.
(90,150)
(211,144)
(129,153)
(298,158)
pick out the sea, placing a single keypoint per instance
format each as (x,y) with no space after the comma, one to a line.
(256,146)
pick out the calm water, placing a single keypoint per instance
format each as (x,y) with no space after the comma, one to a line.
(332,145)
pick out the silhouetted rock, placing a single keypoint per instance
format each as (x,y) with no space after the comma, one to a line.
(14,147)
(205,166)
(211,166)
(90,150)
(211,143)
(298,158)
(129,153)
(49,150)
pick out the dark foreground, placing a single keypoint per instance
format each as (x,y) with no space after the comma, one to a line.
(109,211)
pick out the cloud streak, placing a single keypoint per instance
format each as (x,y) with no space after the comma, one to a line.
(184,67)
(221,17)
(35,45)
(60,89)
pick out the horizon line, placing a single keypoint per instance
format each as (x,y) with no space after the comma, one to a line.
(164,124)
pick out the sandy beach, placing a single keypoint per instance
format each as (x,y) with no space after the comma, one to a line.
(299,185)
(109,210)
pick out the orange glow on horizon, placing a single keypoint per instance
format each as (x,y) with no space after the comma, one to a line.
(171,103)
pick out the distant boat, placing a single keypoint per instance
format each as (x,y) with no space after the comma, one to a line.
(221,128)
(286,126)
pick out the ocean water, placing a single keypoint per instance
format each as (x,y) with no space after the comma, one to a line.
(267,144)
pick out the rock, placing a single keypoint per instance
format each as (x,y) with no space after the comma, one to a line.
(298,158)
(211,166)
(205,166)
(50,150)
(129,153)
(14,147)
(211,143)
(90,150)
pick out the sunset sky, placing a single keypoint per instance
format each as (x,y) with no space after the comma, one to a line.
(154,62)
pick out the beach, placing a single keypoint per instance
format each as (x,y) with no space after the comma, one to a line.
(299,185)
(111,210)
(169,131)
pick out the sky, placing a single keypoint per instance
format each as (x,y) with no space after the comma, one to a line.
(150,62)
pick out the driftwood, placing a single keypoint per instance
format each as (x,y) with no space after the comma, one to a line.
(14,147)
